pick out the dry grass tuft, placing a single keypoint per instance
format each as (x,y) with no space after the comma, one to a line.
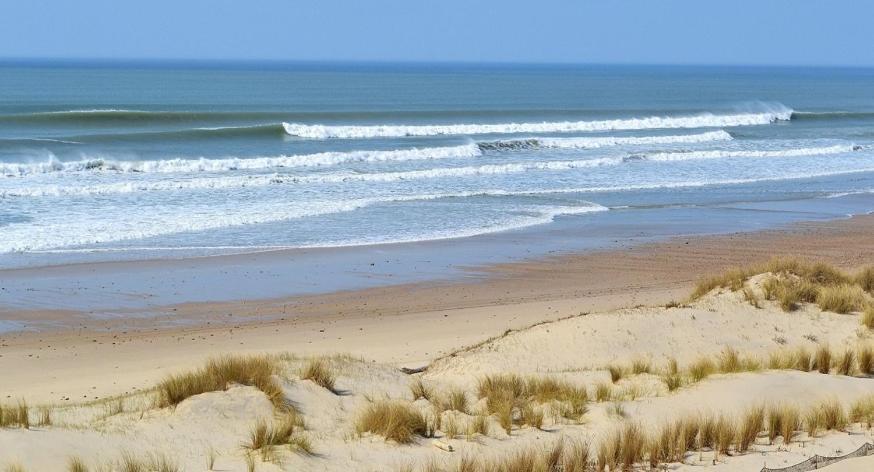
(833,415)
(478,425)
(749,427)
(603,392)
(283,431)
(17,415)
(616,373)
(794,281)
(419,390)
(641,366)
(75,464)
(729,361)
(867,318)
(515,399)
(394,420)
(319,371)
(865,360)
(455,400)
(842,298)
(846,364)
(256,371)
(701,369)
(862,411)
(822,362)
(865,279)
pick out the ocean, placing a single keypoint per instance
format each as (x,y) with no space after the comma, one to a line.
(132,161)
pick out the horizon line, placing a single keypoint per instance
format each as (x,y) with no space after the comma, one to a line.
(206,62)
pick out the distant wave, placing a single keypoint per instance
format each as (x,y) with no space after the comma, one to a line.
(706,120)
(693,155)
(599,142)
(116,115)
(228,164)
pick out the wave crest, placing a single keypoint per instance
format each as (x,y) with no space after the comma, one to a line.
(705,120)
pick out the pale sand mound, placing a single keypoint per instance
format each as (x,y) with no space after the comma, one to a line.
(596,340)
(575,349)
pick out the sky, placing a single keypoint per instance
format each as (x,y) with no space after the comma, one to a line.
(760,32)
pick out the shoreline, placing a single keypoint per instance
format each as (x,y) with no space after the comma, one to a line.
(403,325)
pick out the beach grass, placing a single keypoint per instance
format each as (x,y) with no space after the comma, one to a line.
(321,373)
(218,374)
(394,420)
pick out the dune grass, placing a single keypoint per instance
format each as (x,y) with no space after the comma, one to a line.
(75,464)
(394,420)
(865,279)
(420,390)
(867,318)
(822,361)
(795,281)
(283,431)
(844,298)
(518,401)
(321,373)
(15,415)
(454,400)
(218,374)
(630,446)
(865,359)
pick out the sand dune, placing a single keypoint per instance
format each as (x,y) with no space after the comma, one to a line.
(578,350)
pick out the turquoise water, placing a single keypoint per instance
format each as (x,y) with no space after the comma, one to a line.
(133,161)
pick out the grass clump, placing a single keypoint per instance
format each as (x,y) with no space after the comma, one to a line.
(865,279)
(75,464)
(419,390)
(822,362)
(616,373)
(217,374)
(867,318)
(281,432)
(15,416)
(641,366)
(846,364)
(394,420)
(749,427)
(514,399)
(865,360)
(320,372)
(455,400)
(701,369)
(833,415)
(844,298)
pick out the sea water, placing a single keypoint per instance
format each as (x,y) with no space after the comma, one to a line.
(116,161)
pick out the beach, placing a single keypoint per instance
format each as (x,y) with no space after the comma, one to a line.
(504,268)
(432,325)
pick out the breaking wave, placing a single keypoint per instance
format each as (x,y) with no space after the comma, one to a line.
(228,164)
(599,142)
(705,120)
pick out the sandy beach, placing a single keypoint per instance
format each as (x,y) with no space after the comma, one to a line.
(609,306)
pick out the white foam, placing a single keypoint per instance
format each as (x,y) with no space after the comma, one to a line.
(704,120)
(321,159)
(62,233)
(599,142)
(251,181)
(725,154)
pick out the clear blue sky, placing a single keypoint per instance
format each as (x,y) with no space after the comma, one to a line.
(813,32)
